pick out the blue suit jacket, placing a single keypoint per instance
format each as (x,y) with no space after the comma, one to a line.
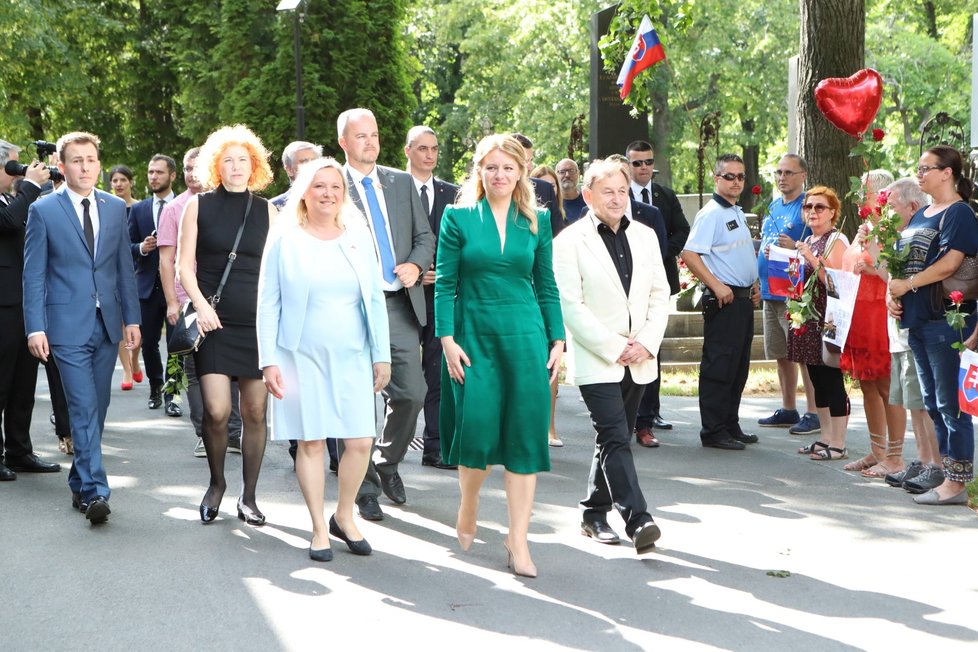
(61,279)
(140,227)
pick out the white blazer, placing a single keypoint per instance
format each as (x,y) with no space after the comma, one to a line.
(599,317)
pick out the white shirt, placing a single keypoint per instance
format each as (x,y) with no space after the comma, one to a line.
(430,185)
(156,207)
(357,177)
(637,192)
(76,202)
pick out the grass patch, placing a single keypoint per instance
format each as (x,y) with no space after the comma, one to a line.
(762,381)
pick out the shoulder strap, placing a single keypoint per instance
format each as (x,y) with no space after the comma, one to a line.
(234,253)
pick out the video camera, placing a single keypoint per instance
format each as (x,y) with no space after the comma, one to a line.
(44,150)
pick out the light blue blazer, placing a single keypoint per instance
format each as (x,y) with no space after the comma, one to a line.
(62,280)
(283,293)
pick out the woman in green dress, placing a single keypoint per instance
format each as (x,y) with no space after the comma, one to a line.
(497,313)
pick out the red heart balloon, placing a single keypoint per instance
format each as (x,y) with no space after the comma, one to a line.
(851,103)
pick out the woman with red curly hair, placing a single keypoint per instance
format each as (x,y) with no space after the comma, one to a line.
(234,164)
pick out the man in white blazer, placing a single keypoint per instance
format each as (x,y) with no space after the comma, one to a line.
(613,293)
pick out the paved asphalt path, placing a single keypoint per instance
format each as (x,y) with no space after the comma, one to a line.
(857,564)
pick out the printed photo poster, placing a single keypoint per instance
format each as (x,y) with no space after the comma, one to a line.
(785,271)
(842,288)
(968,383)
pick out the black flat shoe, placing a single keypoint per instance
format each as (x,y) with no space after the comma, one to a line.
(360,547)
(248,515)
(600,531)
(98,510)
(326,554)
(207,514)
(78,503)
(645,536)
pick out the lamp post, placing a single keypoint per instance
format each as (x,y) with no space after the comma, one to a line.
(300,111)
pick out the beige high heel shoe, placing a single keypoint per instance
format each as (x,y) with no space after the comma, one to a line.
(527,571)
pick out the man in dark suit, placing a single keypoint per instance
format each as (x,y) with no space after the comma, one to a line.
(79,295)
(144,220)
(643,188)
(18,368)
(295,154)
(421,150)
(405,248)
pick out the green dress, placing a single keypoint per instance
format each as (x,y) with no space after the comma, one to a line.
(503,309)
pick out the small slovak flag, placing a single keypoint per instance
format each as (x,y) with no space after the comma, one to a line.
(646,52)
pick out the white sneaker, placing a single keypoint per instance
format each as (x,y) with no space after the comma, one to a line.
(199,450)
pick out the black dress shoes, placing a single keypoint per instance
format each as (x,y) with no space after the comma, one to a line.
(437,462)
(208,514)
(728,444)
(360,547)
(324,554)
(31,464)
(78,503)
(6,474)
(600,531)
(661,424)
(249,515)
(645,536)
(155,398)
(173,410)
(393,487)
(369,508)
(744,438)
(98,510)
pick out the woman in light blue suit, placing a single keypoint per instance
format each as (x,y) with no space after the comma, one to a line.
(323,342)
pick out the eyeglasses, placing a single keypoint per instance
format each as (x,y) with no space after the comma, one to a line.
(567,171)
(924,169)
(818,208)
(786,173)
(646,162)
(730,176)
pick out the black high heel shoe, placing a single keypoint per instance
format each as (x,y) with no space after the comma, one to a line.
(207,514)
(248,515)
(360,547)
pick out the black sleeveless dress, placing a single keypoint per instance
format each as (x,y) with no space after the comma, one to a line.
(233,349)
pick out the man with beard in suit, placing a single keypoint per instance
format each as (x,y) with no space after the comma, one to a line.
(405,248)
(421,150)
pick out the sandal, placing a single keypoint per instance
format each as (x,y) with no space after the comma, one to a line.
(830,454)
(812,448)
(861,464)
(878,471)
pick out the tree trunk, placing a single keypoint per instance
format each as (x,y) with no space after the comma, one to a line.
(832,45)
(660,134)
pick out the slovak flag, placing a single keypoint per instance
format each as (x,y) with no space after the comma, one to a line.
(968,382)
(646,52)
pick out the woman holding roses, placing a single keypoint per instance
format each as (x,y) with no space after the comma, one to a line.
(823,248)
(939,236)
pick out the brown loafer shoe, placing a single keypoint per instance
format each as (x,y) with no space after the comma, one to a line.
(644,437)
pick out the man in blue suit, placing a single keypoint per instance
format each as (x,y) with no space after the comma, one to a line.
(144,219)
(79,290)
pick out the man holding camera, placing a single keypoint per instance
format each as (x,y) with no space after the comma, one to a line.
(18,369)
(144,220)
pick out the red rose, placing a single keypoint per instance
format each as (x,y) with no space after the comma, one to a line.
(878,134)
(801,330)
(882,198)
(683,285)
(756,190)
(956,297)
(864,212)
(787,314)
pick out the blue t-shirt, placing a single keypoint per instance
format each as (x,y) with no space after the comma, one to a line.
(720,236)
(781,218)
(928,241)
(574,209)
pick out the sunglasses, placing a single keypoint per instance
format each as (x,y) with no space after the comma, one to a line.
(647,162)
(818,208)
(730,176)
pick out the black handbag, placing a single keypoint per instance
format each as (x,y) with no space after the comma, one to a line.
(186,336)
(965,277)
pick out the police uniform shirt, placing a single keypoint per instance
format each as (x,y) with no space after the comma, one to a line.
(720,236)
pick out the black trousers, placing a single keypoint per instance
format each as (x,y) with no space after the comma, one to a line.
(18,378)
(431,354)
(59,402)
(613,481)
(153,313)
(649,408)
(727,336)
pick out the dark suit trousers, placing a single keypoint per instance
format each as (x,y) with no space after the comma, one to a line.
(727,336)
(18,377)
(403,396)
(153,313)
(613,481)
(649,407)
(431,354)
(86,372)
(59,404)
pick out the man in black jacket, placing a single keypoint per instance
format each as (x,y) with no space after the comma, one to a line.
(18,368)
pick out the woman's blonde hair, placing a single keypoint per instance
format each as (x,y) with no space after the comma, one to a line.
(296,205)
(523,195)
(208,169)
(831,198)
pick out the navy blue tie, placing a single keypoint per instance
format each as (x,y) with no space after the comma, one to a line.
(380,231)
